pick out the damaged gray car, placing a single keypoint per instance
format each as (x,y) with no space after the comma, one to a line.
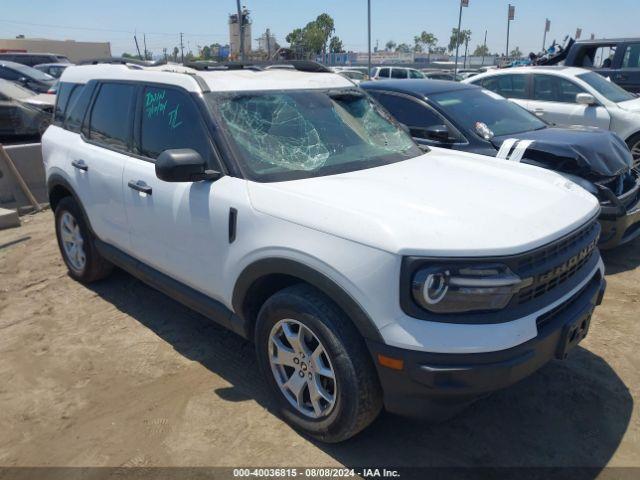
(23,113)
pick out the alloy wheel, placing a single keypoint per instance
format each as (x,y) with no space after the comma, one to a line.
(72,241)
(302,368)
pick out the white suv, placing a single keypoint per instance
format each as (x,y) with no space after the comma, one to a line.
(289,207)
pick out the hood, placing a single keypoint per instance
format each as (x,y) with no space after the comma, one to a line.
(631,105)
(441,203)
(585,152)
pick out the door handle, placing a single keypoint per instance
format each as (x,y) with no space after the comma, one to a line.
(140,186)
(539,112)
(80,165)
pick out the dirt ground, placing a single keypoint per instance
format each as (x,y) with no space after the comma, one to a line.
(117,374)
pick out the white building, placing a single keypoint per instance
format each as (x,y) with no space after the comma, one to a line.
(74,51)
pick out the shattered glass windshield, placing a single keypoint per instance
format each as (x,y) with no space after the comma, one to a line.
(291,134)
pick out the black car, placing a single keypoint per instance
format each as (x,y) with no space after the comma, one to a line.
(28,77)
(32,59)
(468,118)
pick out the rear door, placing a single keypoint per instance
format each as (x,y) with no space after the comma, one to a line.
(98,154)
(553,98)
(628,74)
(513,87)
(178,228)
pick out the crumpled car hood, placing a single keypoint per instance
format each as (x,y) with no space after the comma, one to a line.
(445,202)
(587,153)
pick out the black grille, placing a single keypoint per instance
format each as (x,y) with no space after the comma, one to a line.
(563,259)
(545,318)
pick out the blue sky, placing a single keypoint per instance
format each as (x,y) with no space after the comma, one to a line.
(205,21)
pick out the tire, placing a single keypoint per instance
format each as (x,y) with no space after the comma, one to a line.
(357,396)
(633,142)
(85,264)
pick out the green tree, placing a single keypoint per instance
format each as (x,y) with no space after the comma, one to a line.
(176,52)
(429,40)
(128,55)
(455,40)
(481,50)
(335,45)
(390,46)
(325,23)
(403,48)
(206,53)
(417,44)
(516,53)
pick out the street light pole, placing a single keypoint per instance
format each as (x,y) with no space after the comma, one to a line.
(455,67)
(240,30)
(369,37)
(510,16)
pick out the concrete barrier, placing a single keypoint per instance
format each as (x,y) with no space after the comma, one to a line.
(28,160)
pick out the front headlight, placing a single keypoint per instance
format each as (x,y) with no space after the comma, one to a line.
(465,288)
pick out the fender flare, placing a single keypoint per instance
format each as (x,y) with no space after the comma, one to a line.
(284,266)
(57,180)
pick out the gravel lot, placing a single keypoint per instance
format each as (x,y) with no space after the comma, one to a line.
(117,374)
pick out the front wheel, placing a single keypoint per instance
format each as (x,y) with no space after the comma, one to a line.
(634,145)
(316,364)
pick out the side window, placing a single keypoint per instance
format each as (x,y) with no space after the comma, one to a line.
(567,91)
(9,74)
(509,86)
(631,56)
(548,88)
(383,73)
(414,115)
(415,74)
(76,108)
(170,119)
(109,122)
(398,73)
(62,99)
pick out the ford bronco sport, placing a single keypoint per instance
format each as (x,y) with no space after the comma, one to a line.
(289,207)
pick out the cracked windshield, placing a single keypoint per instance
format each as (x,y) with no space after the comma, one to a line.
(298,134)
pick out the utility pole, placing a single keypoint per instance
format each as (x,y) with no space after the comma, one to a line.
(164,51)
(466,51)
(463,3)
(510,16)
(547,28)
(369,36)
(484,49)
(135,39)
(144,41)
(268,44)
(181,49)
(240,29)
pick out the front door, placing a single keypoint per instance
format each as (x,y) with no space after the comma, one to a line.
(553,99)
(178,228)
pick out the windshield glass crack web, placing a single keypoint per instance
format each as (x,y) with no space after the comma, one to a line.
(273,130)
(311,131)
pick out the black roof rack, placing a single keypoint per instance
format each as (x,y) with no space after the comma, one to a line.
(123,61)
(300,65)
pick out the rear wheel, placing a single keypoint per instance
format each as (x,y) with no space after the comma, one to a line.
(316,364)
(634,145)
(77,245)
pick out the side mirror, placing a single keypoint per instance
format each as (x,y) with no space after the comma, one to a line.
(183,165)
(585,99)
(438,133)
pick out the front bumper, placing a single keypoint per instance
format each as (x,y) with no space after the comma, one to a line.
(437,385)
(620,216)
(619,230)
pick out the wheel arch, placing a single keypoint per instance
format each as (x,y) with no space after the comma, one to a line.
(58,188)
(263,278)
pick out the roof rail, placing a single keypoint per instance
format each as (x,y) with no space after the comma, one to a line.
(300,65)
(123,61)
